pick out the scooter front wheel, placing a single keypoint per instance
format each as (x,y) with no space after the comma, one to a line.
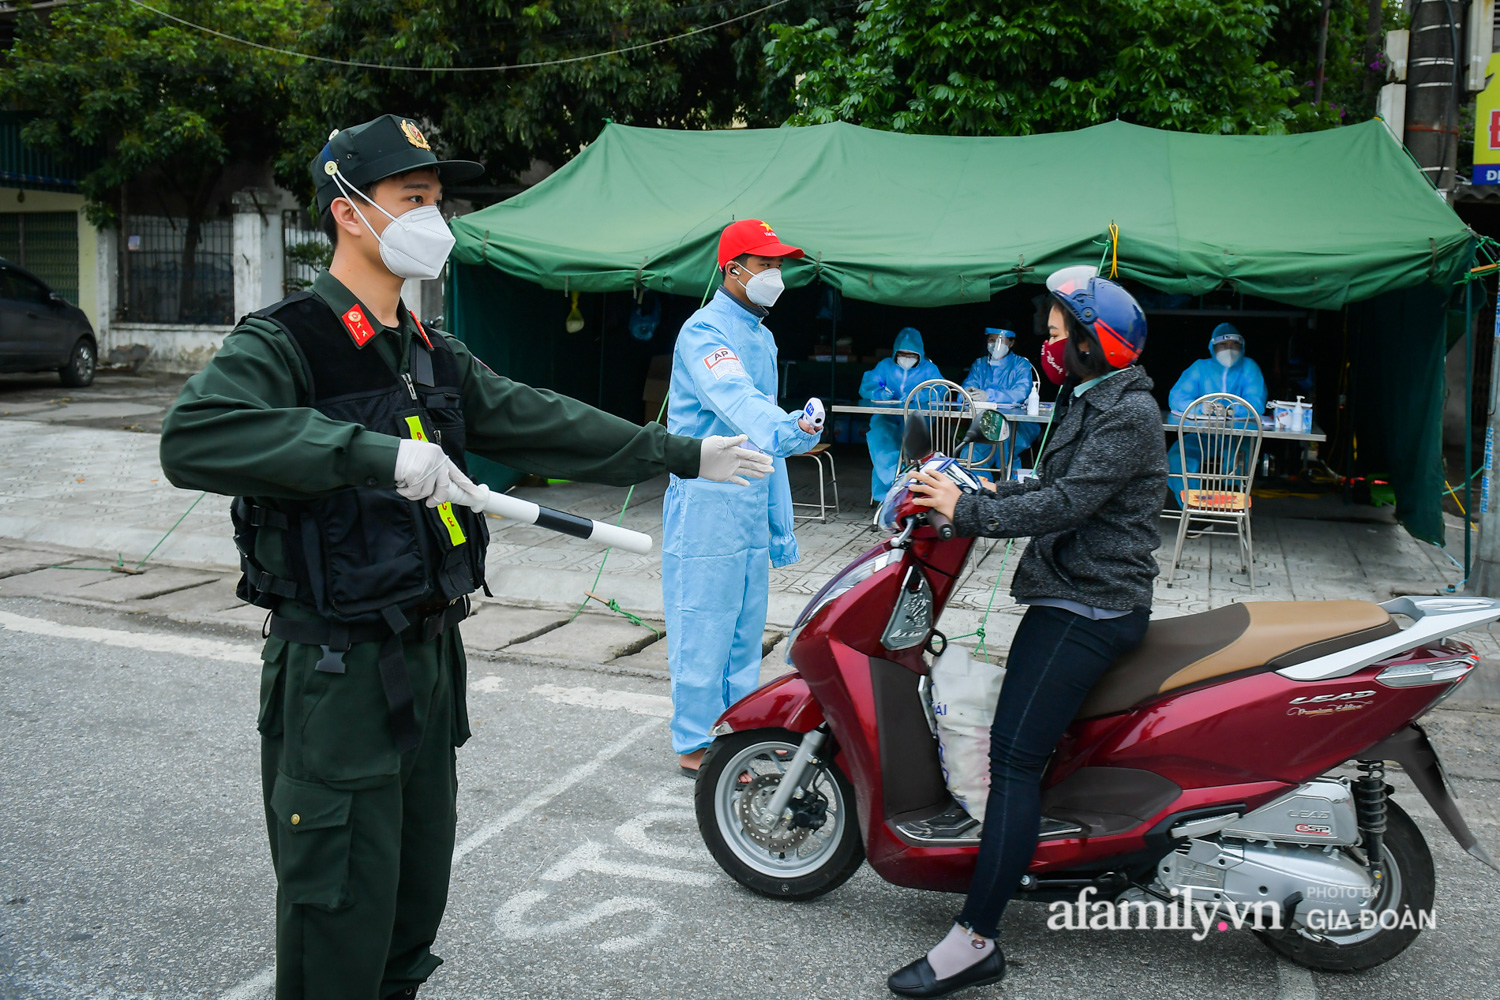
(813,852)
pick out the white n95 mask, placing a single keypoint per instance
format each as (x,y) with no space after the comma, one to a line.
(1228,356)
(764,287)
(907,362)
(999,349)
(414,245)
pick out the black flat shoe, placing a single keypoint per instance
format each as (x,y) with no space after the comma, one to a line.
(689,772)
(918,979)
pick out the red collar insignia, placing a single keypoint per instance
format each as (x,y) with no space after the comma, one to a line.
(358,325)
(423,331)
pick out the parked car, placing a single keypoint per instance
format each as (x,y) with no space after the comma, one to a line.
(42,331)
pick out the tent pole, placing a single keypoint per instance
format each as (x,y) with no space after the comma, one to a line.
(1485,577)
(1468,424)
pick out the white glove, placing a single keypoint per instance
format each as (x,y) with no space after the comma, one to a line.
(724,461)
(452,485)
(980,395)
(813,416)
(419,467)
(464,490)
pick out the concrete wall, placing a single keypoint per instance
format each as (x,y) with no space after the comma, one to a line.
(16,200)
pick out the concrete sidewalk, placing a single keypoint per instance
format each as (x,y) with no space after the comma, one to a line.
(89,497)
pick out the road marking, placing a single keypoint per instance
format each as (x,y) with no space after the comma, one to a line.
(510,920)
(251,989)
(545,795)
(1293,982)
(632,833)
(655,705)
(589,857)
(488,685)
(155,642)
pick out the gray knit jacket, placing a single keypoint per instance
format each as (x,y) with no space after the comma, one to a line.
(1093,511)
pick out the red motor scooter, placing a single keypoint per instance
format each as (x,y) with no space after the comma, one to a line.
(1199,770)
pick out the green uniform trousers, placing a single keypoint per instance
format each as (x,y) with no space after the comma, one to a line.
(361,835)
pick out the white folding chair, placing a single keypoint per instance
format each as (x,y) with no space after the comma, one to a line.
(946,408)
(1223,432)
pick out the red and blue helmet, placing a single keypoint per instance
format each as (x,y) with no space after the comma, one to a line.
(1104,309)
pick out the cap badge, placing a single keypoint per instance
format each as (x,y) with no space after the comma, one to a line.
(769,231)
(414,135)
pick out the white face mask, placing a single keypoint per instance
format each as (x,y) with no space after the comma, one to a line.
(414,245)
(764,287)
(1228,356)
(906,361)
(999,349)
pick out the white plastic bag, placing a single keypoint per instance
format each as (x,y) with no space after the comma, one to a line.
(964,694)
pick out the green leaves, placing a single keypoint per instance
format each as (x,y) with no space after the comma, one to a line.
(1004,67)
(152,94)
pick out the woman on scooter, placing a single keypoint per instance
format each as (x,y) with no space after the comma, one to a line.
(1086,578)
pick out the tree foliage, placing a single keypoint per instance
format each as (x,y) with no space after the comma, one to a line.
(1006,67)
(149,94)
(507,118)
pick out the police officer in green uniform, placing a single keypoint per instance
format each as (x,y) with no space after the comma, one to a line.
(339,424)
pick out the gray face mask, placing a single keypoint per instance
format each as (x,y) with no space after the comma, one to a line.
(415,244)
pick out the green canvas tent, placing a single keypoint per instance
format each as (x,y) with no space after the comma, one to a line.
(1321,220)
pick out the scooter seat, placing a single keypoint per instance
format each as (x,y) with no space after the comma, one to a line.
(1236,639)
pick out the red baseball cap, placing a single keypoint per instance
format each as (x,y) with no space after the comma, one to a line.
(752,236)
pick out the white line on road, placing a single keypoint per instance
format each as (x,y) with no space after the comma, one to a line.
(252,989)
(155,642)
(545,795)
(657,705)
(589,857)
(1293,982)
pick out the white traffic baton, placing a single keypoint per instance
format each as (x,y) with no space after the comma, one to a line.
(526,512)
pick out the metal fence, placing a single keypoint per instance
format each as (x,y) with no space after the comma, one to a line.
(46,244)
(305,250)
(160,283)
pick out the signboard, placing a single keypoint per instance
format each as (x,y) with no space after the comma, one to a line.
(1487,128)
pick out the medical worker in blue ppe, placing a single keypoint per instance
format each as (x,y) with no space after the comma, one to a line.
(1226,369)
(1005,377)
(720,540)
(889,381)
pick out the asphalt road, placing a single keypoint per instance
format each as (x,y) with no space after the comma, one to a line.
(116,401)
(133,863)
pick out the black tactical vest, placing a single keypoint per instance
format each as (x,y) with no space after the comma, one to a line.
(356,554)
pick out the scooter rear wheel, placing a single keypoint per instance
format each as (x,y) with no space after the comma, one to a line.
(1408,892)
(812,855)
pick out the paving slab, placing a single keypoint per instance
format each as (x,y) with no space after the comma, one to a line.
(154,582)
(14,562)
(589,638)
(52,582)
(495,626)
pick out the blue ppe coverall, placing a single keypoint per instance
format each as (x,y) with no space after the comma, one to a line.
(1008,382)
(720,540)
(1202,377)
(886,381)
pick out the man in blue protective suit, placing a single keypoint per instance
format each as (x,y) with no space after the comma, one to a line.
(890,380)
(720,540)
(1002,376)
(1226,369)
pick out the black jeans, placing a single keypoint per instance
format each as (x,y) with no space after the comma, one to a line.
(1057,656)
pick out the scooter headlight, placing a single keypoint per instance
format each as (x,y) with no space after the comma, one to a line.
(853,575)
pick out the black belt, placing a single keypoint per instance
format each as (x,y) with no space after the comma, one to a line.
(336,638)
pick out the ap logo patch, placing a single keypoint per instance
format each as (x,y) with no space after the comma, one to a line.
(723,362)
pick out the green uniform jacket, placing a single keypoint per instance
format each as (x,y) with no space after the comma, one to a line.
(241,426)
